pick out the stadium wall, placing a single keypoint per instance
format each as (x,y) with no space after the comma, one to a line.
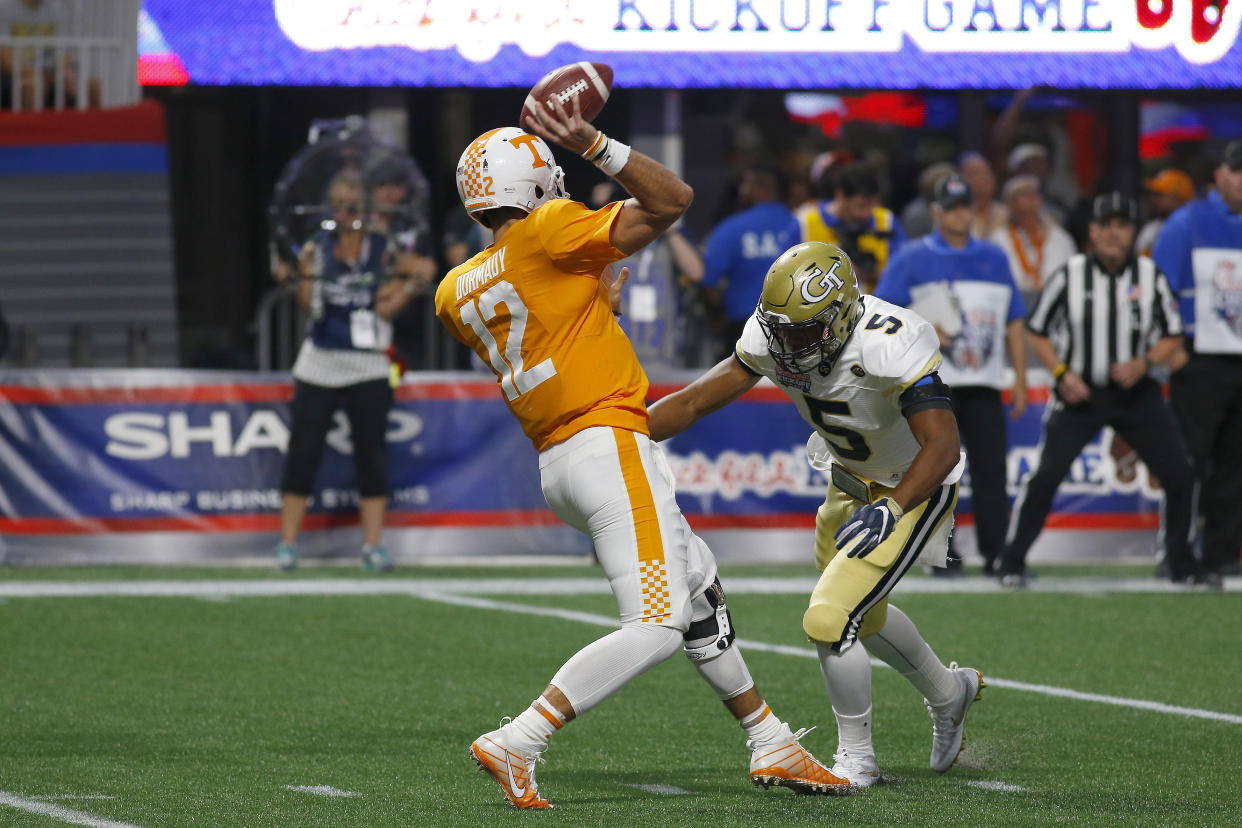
(164,466)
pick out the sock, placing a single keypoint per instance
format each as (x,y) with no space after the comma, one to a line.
(535,725)
(847,675)
(764,727)
(899,645)
(604,666)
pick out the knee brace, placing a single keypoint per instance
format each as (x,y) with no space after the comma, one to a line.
(711,627)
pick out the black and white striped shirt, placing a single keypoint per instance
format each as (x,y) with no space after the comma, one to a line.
(1096,318)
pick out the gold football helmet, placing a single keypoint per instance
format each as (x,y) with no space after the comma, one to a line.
(809,306)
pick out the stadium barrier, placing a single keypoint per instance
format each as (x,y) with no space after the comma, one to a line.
(163,466)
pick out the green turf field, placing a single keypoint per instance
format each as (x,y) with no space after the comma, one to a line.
(201,708)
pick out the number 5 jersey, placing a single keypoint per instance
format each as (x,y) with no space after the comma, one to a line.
(856,407)
(532,308)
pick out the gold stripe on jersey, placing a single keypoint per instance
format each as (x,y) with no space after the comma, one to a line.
(652,571)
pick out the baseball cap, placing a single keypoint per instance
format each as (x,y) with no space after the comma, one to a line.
(1114,204)
(952,191)
(1173,183)
(1233,156)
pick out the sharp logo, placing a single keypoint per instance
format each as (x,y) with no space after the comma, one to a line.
(146,435)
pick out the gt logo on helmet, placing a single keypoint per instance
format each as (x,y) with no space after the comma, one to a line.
(826,281)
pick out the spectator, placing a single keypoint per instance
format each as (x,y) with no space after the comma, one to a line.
(463,238)
(987,214)
(1119,319)
(1201,249)
(742,247)
(651,313)
(39,19)
(964,288)
(1167,192)
(853,220)
(342,362)
(1035,244)
(916,218)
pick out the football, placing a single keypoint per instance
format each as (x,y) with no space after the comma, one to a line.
(589,82)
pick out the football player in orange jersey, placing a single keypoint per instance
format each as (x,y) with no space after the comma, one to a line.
(533,306)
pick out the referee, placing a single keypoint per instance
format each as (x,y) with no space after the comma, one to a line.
(1114,318)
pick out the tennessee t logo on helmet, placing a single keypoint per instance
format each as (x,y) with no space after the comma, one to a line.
(809,307)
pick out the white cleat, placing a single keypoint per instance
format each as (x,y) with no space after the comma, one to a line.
(862,771)
(787,764)
(949,721)
(513,769)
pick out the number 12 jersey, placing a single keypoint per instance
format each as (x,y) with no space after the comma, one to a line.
(531,307)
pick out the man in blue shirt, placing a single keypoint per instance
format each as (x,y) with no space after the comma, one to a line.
(742,247)
(963,286)
(1200,250)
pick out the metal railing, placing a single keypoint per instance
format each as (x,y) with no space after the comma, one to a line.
(91,60)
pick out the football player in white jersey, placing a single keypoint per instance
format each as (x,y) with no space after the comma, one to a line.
(863,374)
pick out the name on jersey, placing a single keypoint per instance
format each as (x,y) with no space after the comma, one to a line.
(476,277)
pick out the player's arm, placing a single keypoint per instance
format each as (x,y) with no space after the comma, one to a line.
(660,198)
(936,431)
(721,385)
(928,411)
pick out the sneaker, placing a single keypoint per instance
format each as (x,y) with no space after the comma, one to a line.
(1202,580)
(287,556)
(513,769)
(949,722)
(787,764)
(861,770)
(1014,580)
(376,559)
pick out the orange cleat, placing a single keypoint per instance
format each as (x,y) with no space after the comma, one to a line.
(789,765)
(513,770)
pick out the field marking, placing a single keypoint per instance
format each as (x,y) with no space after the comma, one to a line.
(75,796)
(664,790)
(243,588)
(321,790)
(35,806)
(806,652)
(993,785)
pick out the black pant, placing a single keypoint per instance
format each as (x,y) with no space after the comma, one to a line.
(366,404)
(981,424)
(1141,417)
(1207,399)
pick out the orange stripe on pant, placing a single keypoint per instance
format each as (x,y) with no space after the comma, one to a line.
(652,572)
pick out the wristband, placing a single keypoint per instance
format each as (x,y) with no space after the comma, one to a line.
(608,154)
(1059,372)
(893,508)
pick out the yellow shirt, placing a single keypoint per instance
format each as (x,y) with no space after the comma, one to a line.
(531,307)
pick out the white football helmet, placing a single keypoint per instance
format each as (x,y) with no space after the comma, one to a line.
(508,167)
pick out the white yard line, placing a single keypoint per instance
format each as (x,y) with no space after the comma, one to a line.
(806,652)
(664,790)
(35,806)
(444,590)
(321,790)
(993,785)
(540,586)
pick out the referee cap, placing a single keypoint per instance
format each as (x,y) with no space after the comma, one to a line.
(1114,204)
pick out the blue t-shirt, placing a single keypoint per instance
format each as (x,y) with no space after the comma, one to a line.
(343,298)
(967,290)
(1200,250)
(741,249)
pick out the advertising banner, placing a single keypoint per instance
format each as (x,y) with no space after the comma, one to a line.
(784,44)
(186,465)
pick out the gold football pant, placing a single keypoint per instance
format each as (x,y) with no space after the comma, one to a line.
(851,599)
